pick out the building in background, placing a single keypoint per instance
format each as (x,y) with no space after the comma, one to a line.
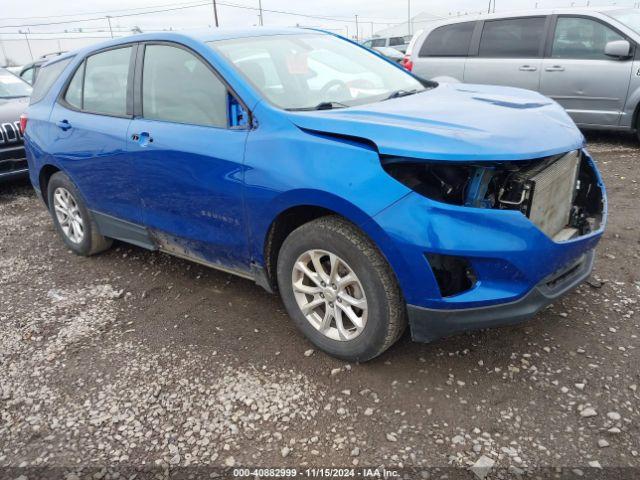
(417,23)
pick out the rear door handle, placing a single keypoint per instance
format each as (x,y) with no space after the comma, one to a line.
(63,125)
(528,68)
(555,68)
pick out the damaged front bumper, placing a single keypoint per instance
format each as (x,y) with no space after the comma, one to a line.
(508,267)
(428,325)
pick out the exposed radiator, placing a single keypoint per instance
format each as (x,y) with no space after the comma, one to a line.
(553,193)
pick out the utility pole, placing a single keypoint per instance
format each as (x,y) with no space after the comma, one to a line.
(371,29)
(357,31)
(28,42)
(215,12)
(261,18)
(110,29)
(409,16)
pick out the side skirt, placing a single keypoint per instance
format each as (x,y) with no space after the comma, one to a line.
(135,234)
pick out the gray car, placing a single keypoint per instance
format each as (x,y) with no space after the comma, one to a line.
(14,99)
(586,59)
(399,42)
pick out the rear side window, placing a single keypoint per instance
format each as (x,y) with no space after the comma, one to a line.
(395,41)
(47,75)
(379,42)
(106,82)
(512,38)
(449,41)
(178,87)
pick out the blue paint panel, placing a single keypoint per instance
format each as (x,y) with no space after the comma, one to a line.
(189,182)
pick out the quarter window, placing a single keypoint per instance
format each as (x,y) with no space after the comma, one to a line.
(178,87)
(449,41)
(27,76)
(512,38)
(106,82)
(47,75)
(582,38)
(74,91)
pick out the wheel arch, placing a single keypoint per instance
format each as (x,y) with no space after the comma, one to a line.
(295,214)
(45,174)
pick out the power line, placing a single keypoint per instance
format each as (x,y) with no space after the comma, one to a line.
(187,6)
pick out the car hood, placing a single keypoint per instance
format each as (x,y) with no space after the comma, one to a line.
(455,122)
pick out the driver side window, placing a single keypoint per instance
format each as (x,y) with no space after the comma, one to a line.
(178,87)
(582,38)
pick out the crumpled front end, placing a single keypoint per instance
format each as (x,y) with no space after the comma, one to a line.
(490,244)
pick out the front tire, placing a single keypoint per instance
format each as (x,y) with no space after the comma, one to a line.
(72,218)
(339,290)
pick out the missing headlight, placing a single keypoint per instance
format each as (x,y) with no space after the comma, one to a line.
(560,194)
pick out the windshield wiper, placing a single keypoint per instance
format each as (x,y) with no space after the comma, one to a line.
(401,93)
(320,106)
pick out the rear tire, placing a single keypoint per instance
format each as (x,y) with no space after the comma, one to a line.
(72,219)
(363,289)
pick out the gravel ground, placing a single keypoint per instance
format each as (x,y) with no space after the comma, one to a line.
(137,360)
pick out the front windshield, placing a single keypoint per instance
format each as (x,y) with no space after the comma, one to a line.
(12,87)
(307,71)
(629,17)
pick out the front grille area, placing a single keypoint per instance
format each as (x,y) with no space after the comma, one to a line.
(12,160)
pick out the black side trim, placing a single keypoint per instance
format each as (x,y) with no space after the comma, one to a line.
(428,325)
(122,230)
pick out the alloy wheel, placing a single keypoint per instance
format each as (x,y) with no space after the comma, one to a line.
(329,295)
(68,215)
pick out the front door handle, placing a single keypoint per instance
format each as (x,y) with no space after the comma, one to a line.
(555,68)
(63,125)
(528,68)
(143,138)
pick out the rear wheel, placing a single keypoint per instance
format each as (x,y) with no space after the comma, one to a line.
(339,290)
(72,219)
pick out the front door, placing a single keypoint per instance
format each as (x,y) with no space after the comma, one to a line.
(591,86)
(189,159)
(510,53)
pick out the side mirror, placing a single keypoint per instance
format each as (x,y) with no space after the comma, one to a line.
(618,49)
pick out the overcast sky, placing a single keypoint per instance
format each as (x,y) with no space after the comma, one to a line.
(17,14)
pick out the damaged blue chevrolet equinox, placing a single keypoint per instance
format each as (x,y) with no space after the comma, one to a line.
(369,198)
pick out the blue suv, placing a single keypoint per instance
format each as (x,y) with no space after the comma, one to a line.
(369,198)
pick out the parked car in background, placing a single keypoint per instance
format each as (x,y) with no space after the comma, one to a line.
(390,53)
(398,42)
(14,99)
(406,60)
(29,72)
(367,198)
(585,59)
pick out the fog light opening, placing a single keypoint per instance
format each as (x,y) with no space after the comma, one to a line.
(454,275)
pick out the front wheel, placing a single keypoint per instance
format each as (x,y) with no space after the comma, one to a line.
(72,218)
(339,290)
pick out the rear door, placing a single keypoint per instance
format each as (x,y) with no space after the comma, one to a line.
(591,86)
(89,126)
(188,151)
(444,51)
(509,52)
